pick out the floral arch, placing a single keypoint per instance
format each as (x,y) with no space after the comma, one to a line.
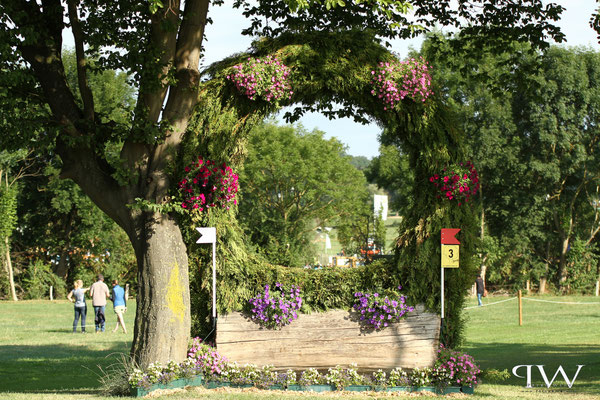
(326,68)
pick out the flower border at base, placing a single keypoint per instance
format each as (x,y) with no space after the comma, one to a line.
(216,384)
(318,388)
(176,384)
(199,381)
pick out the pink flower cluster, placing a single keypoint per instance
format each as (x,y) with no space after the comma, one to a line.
(207,185)
(459,183)
(461,367)
(263,77)
(394,81)
(206,358)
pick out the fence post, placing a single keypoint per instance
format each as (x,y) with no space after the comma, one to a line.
(520,309)
(597,288)
(528,287)
(51,293)
(127,291)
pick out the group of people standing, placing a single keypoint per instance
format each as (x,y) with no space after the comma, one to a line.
(99,293)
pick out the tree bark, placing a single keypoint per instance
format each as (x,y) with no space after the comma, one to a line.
(544,278)
(162,322)
(563,260)
(9,268)
(483,257)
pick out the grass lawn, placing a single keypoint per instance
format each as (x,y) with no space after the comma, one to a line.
(41,359)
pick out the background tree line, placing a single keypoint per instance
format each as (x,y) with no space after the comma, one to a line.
(533,135)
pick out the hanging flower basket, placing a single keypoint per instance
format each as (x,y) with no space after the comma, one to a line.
(394,81)
(264,78)
(457,182)
(207,185)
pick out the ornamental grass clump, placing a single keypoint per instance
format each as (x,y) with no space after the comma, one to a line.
(207,185)
(276,309)
(457,182)
(394,81)
(378,311)
(459,367)
(266,78)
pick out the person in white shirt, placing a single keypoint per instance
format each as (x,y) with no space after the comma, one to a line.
(99,292)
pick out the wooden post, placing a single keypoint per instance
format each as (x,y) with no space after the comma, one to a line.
(528,287)
(51,294)
(127,291)
(520,309)
(597,288)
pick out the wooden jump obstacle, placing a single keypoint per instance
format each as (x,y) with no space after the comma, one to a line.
(323,340)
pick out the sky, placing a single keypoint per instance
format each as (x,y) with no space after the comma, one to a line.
(224,39)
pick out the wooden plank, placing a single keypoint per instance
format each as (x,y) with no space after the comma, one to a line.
(323,340)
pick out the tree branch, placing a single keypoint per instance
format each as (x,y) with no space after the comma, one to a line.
(163,40)
(84,88)
(45,57)
(183,96)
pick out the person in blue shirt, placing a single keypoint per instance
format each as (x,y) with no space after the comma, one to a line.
(119,304)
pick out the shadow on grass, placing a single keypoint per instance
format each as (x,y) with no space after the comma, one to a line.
(508,355)
(54,368)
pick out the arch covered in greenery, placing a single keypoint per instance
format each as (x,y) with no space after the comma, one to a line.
(327,68)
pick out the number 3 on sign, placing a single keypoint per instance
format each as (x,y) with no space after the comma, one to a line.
(450,255)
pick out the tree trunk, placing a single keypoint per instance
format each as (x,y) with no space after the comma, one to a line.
(562,266)
(483,266)
(162,321)
(9,269)
(544,278)
(62,268)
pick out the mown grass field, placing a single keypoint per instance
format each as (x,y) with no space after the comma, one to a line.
(41,359)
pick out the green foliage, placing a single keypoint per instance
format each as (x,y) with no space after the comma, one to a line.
(71,230)
(582,261)
(140,40)
(37,280)
(8,211)
(532,135)
(391,170)
(361,163)
(292,180)
(325,67)
(492,375)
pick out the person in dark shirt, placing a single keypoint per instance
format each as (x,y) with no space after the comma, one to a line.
(480,288)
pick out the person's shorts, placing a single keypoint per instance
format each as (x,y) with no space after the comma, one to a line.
(120,309)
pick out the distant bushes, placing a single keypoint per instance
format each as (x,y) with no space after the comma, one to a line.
(37,279)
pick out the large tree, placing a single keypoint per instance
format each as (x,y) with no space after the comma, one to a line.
(160,44)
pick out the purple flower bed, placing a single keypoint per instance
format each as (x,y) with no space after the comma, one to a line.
(277,308)
(379,311)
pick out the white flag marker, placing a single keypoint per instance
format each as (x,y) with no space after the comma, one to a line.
(209,235)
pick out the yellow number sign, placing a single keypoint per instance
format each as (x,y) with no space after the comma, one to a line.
(450,255)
